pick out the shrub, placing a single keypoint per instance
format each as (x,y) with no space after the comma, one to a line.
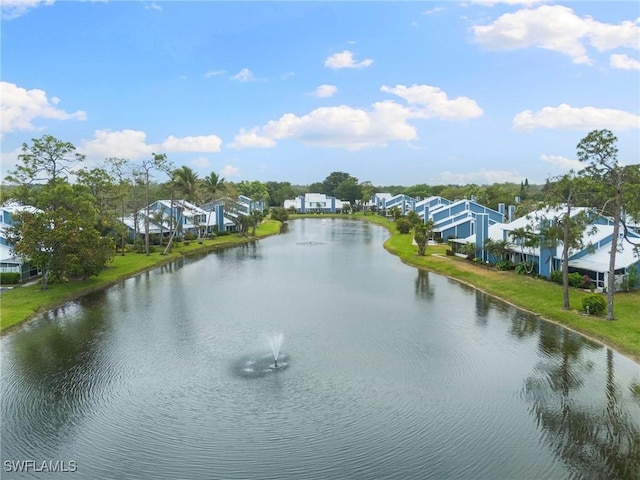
(403,225)
(9,278)
(190,236)
(594,304)
(449,252)
(556,276)
(505,265)
(586,282)
(222,233)
(575,280)
(524,267)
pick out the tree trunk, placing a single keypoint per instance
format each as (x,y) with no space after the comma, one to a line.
(565,259)
(614,247)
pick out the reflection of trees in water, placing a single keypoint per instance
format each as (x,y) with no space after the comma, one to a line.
(523,325)
(423,288)
(598,443)
(485,303)
(59,368)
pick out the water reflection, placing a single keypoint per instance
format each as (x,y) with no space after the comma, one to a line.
(142,379)
(424,289)
(596,443)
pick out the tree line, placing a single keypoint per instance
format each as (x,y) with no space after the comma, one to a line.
(78,225)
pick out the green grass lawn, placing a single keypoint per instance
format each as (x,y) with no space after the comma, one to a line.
(22,303)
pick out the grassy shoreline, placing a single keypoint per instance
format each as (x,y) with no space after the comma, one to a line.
(540,297)
(21,304)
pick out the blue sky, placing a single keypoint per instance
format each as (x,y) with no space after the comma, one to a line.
(396,93)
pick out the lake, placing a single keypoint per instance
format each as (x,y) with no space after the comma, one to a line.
(385,372)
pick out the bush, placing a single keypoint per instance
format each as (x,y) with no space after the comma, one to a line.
(190,236)
(505,265)
(9,278)
(575,280)
(222,233)
(449,252)
(524,267)
(403,225)
(556,276)
(594,304)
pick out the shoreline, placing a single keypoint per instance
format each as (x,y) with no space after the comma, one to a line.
(204,249)
(634,357)
(105,284)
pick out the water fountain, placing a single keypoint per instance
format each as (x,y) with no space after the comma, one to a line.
(275,341)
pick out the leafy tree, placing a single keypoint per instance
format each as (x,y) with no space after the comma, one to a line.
(280,214)
(420,237)
(349,190)
(279,192)
(403,225)
(255,190)
(47,159)
(334,179)
(62,240)
(395,212)
(414,219)
(599,151)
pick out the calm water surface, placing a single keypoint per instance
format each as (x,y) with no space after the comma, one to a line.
(388,373)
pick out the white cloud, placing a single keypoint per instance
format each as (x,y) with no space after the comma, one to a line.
(214,73)
(243,75)
(20,107)
(556,28)
(251,139)
(433,10)
(153,6)
(433,102)
(340,126)
(345,59)
(133,144)
(208,143)
(15,8)
(229,171)
(201,162)
(351,128)
(562,162)
(483,177)
(624,62)
(491,3)
(288,75)
(565,117)
(325,91)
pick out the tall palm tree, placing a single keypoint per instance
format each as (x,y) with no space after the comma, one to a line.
(212,185)
(186,182)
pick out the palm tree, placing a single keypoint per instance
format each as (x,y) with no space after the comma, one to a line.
(525,237)
(186,182)
(256,217)
(212,184)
